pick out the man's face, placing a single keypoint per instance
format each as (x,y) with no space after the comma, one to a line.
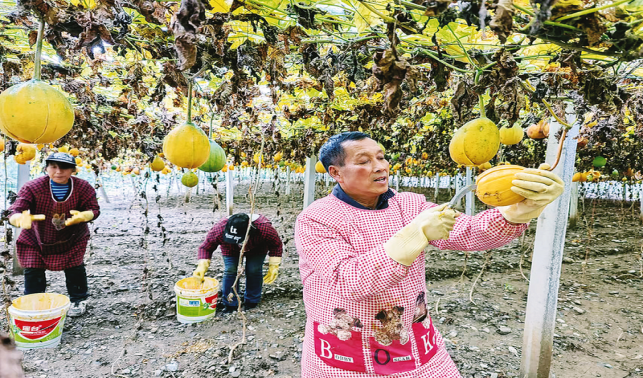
(365,170)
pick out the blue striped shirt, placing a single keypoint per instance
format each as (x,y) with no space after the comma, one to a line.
(60,191)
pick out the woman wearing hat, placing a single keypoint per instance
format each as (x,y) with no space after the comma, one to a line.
(229,233)
(53,212)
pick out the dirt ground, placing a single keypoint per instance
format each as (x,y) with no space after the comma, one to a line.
(131,328)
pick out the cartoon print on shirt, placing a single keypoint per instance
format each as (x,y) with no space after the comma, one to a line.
(58,221)
(341,325)
(420,309)
(392,327)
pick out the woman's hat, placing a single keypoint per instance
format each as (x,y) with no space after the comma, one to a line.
(61,157)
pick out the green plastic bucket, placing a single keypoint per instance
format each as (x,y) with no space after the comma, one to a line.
(196,301)
(37,320)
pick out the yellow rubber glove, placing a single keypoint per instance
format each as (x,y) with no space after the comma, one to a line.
(24,219)
(273,270)
(432,224)
(79,217)
(540,187)
(201,269)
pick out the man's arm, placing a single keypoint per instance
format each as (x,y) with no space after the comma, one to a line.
(212,241)
(272,239)
(486,230)
(354,277)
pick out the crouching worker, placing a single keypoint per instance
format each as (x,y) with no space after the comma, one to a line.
(53,212)
(229,234)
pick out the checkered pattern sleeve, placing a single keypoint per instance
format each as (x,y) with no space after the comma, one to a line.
(87,195)
(212,240)
(271,238)
(486,230)
(353,276)
(25,200)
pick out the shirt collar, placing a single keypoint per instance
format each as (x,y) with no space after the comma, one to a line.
(382,201)
(53,183)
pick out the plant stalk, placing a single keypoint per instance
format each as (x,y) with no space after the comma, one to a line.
(190,101)
(592,10)
(41,31)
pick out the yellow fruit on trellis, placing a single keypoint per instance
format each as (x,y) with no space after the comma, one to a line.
(136,171)
(224,169)
(231,167)
(2,142)
(24,153)
(35,112)
(161,155)
(166,170)
(40,146)
(475,143)
(278,156)
(511,135)
(256,159)
(79,161)
(494,186)
(319,167)
(64,149)
(87,166)
(186,146)
(425,156)
(74,152)
(157,164)
(118,169)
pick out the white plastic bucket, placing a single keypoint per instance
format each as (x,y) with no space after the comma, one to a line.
(196,301)
(37,320)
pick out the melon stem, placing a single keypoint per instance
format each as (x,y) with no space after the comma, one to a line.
(41,30)
(482,111)
(189,101)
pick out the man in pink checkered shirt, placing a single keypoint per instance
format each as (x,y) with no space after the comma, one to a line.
(363,267)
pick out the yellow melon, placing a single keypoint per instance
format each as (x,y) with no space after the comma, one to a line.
(494,186)
(186,146)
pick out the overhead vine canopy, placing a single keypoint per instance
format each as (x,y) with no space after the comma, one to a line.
(296,72)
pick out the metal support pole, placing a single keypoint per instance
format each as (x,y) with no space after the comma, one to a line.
(229,191)
(542,300)
(397,181)
(23,177)
(573,206)
(309,180)
(470,205)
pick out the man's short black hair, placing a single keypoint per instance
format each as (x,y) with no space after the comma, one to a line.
(332,152)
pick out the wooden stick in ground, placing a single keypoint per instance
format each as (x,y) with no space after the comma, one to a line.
(252,191)
(479,275)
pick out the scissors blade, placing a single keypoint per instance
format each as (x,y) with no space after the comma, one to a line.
(461,193)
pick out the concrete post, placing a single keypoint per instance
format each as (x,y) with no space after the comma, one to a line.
(542,300)
(309,180)
(229,191)
(470,204)
(23,177)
